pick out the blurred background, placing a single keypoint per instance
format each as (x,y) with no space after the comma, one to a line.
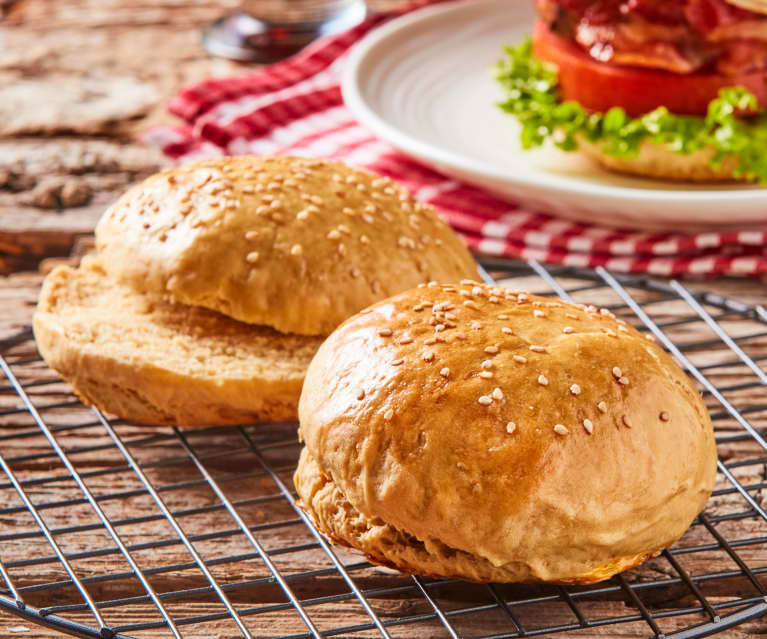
(81,80)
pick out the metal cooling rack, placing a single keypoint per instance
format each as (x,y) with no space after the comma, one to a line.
(258,568)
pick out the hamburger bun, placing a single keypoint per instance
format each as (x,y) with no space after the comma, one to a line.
(657,161)
(151,361)
(292,243)
(469,431)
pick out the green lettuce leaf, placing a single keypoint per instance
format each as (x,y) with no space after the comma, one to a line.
(533,97)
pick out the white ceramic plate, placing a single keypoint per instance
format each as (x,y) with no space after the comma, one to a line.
(424,83)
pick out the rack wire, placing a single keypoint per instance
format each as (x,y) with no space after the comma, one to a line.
(110,529)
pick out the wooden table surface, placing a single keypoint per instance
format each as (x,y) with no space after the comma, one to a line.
(78,81)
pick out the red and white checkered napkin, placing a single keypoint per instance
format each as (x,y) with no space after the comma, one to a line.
(295,107)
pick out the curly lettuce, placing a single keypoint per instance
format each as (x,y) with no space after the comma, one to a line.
(533,97)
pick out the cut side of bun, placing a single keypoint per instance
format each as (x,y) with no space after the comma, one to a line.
(152,361)
(657,161)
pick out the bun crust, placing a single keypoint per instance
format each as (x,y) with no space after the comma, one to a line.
(295,244)
(656,161)
(152,361)
(470,431)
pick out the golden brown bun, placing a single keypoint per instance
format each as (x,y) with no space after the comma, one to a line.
(296,244)
(151,361)
(656,161)
(410,457)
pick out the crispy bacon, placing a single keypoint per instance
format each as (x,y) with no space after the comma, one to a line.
(681,36)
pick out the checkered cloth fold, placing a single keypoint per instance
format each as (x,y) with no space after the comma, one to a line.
(295,107)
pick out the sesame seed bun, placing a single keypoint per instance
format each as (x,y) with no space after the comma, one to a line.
(472,432)
(295,244)
(657,161)
(148,360)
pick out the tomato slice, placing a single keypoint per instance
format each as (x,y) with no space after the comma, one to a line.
(598,86)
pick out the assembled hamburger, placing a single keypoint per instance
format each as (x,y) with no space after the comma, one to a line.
(673,89)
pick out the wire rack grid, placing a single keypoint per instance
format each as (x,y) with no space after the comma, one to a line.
(110,529)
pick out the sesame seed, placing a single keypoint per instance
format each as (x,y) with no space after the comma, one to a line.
(561,429)
(520,359)
(367,217)
(485,400)
(617,372)
(430,341)
(406,340)
(567,330)
(510,427)
(609,333)
(459,336)
(538,349)
(397,362)
(467,282)
(537,313)
(492,350)
(248,188)
(476,325)
(507,331)
(428,356)
(487,364)
(471,304)
(445,372)
(649,337)
(477,290)
(344,229)
(664,416)
(296,249)
(571,315)
(251,235)
(347,211)
(493,299)
(497,393)
(389,415)
(588,425)
(486,374)
(623,381)
(575,389)
(341,249)
(302,215)
(503,317)
(626,421)
(542,380)
(252,257)
(553,305)
(364,239)
(439,327)
(522,298)
(334,234)
(464,293)
(355,272)
(384,332)
(602,406)
(623,329)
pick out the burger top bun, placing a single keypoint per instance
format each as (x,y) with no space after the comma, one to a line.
(295,244)
(547,438)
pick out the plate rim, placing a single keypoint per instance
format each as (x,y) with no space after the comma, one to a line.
(553,184)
